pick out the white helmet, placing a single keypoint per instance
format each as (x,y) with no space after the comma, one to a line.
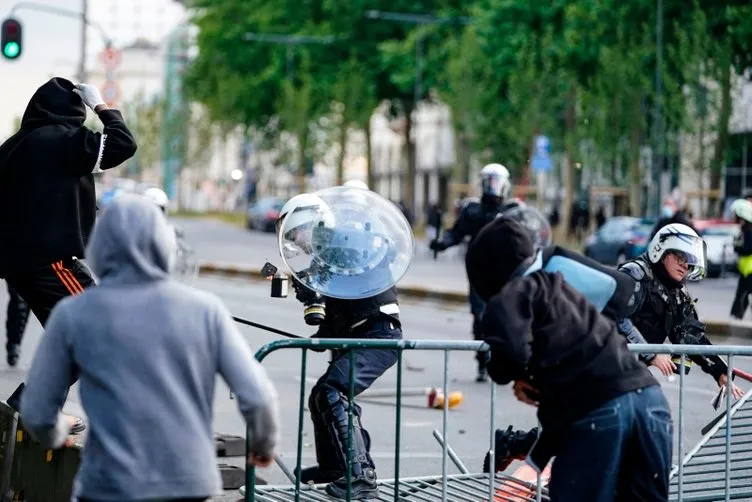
(679,238)
(299,213)
(743,209)
(157,197)
(494,180)
(356,184)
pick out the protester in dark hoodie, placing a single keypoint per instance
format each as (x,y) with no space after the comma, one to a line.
(597,402)
(147,349)
(47,198)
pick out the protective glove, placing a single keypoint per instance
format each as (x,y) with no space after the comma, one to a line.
(89,94)
(323,332)
(437,245)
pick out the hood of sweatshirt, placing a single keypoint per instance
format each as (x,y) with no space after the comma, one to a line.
(131,243)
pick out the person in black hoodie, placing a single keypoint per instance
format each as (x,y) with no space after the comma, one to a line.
(603,415)
(47,198)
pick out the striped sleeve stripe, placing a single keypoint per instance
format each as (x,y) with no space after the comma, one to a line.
(97,168)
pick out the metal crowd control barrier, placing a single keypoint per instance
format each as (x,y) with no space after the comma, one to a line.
(691,480)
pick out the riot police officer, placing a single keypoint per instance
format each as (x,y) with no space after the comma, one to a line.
(661,306)
(301,218)
(474,215)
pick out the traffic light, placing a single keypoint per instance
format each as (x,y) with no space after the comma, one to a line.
(11,39)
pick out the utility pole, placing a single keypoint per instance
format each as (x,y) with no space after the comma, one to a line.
(290,41)
(421,20)
(82,76)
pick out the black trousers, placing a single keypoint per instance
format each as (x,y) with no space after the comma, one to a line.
(42,287)
(16,317)
(741,298)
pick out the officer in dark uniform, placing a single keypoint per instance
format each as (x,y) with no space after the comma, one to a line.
(15,323)
(376,317)
(474,215)
(661,305)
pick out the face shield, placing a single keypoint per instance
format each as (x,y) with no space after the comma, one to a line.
(361,247)
(691,250)
(494,185)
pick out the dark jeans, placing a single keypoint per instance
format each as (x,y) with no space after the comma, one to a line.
(328,400)
(741,298)
(158,500)
(619,452)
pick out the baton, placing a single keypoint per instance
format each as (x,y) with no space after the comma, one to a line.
(265,327)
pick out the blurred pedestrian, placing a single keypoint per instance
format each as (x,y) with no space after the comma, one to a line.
(742,210)
(48,196)
(147,349)
(671,213)
(16,317)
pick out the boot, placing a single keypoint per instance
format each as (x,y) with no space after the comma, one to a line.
(13,351)
(333,408)
(364,486)
(482,358)
(316,475)
(510,445)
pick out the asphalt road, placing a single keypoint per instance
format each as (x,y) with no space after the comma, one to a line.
(468,431)
(217,241)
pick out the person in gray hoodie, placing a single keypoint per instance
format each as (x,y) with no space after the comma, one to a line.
(146,350)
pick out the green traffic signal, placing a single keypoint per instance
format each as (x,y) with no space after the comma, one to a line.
(11,50)
(10,38)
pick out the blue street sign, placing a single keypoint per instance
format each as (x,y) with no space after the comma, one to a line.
(541,160)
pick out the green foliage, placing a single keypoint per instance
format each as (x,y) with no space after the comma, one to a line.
(579,71)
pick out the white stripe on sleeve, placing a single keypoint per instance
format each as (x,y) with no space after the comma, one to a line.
(97,169)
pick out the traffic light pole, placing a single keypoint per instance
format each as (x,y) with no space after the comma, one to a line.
(82,16)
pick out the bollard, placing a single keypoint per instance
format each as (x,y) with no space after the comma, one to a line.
(723,260)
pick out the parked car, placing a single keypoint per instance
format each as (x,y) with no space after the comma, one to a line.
(263,214)
(719,237)
(621,238)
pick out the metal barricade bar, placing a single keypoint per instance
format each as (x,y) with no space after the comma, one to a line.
(472,487)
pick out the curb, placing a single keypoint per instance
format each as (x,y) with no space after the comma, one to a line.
(715,328)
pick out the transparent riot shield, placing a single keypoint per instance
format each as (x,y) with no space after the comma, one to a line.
(347,243)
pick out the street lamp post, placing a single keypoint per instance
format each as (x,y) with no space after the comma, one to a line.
(422,20)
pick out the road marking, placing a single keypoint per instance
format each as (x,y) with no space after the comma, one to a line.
(417,424)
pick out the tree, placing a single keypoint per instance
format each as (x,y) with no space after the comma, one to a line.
(144,119)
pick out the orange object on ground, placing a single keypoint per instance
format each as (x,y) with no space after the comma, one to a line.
(514,492)
(436,399)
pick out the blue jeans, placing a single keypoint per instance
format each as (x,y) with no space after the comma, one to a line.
(620,451)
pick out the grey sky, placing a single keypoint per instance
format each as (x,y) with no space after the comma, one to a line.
(51,44)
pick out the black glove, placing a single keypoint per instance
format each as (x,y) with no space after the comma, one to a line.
(323,332)
(303,294)
(437,245)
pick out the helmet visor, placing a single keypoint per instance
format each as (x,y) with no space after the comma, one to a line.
(689,249)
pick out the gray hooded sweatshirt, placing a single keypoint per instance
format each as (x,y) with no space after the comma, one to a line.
(147,350)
